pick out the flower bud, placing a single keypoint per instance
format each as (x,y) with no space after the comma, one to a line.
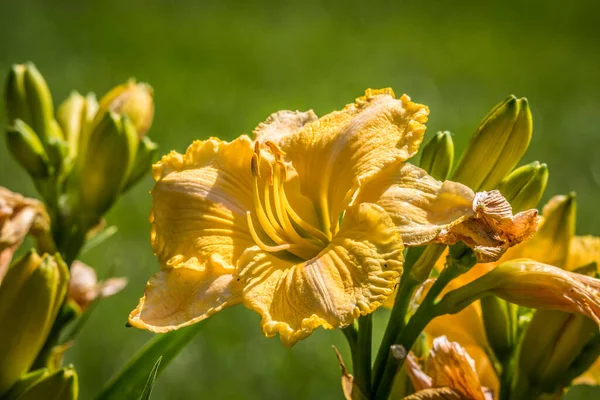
(25,382)
(524,187)
(146,156)
(84,287)
(61,385)
(30,297)
(500,325)
(496,146)
(551,344)
(557,229)
(14,94)
(39,102)
(531,284)
(70,117)
(108,160)
(132,99)
(438,155)
(25,146)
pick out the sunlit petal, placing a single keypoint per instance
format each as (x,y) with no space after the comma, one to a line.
(353,276)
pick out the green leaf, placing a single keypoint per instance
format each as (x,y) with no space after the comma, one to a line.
(128,383)
(99,238)
(582,392)
(150,383)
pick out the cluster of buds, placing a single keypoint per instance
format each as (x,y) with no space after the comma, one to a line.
(31,295)
(87,153)
(81,159)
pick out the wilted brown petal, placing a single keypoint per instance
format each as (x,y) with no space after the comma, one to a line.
(448,367)
(18,217)
(347,378)
(84,287)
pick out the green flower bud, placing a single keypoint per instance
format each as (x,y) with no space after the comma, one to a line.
(39,102)
(30,296)
(499,321)
(61,385)
(550,345)
(496,146)
(147,153)
(108,160)
(524,187)
(14,94)
(132,99)
(438,155)
(27,149)
(70,117)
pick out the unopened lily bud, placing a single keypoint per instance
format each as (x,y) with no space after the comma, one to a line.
(61,385)
(557,228)
(496,146)
(132,99)
(70,116)
(551,344)
(146,155)
(524,187)
(25,382)
(531,284)
(499,321)
(25,146)
(39,102)
(14,94)
(438,155)
(30,296)
(108,160)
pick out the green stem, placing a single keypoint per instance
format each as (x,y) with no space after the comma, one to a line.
(396,323)
(506,378)
(407,336)
(362,367)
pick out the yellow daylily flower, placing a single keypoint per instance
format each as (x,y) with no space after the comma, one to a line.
(449,372)
(299,224)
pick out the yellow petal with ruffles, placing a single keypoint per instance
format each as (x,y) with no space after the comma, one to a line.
(338,153)
(426,210)
(200,202)
(178,297)
(352,276)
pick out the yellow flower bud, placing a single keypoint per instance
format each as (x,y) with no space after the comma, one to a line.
(106,165)
(531,284)
(14,94)
(39,102)
(132,99)
(61,385)
(70,117)
(438,155)
(524,187)
(30,297)
(557,228)
(496,146)
(552,343)
(27,149)
(25,382)
(147,153)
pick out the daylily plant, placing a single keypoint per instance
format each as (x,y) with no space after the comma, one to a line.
(307,223)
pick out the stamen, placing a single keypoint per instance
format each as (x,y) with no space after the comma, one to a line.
(286,224)
(259,242)
(260,212)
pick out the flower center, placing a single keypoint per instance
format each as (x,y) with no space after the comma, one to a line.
(280,225)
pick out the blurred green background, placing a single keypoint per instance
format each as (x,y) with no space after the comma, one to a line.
(220,68)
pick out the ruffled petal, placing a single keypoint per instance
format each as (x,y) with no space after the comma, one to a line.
(178,297)
(426,210)
(200,202)
(338,153)
(448,366)
(352,276)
